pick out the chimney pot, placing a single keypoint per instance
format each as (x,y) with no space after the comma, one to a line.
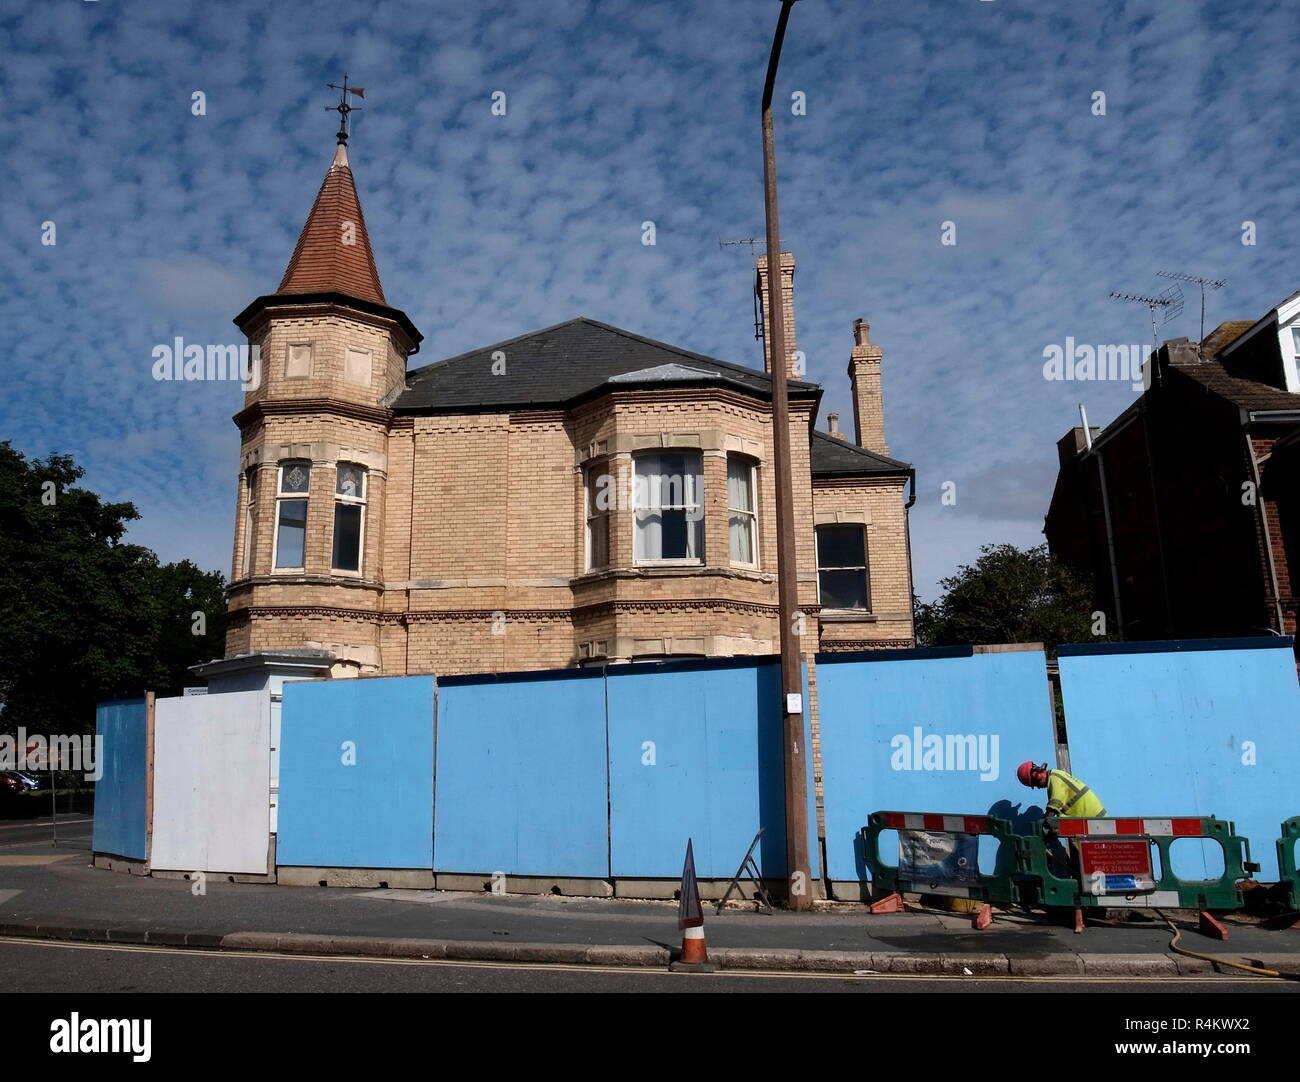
(861,332)
(833,419)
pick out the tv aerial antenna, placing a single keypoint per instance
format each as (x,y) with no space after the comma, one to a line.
(1170,302)
(1204,283)
(758,306)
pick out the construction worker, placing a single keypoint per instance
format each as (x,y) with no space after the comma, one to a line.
(1066,796)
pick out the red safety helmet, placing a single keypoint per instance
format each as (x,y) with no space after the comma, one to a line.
(1025,772)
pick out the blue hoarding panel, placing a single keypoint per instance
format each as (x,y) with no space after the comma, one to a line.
(695,752)
(1209,728)
(120,794)
(356,773)
(521,785)
(929,731)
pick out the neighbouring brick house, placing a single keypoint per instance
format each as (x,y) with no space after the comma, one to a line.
(576,495)
(1186,511)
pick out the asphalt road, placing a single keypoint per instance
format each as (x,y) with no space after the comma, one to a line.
(75,830)
(73,968)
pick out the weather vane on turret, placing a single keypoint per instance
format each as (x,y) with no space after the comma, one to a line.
(343,108)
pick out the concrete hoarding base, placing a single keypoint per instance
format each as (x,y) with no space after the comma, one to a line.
(710,889)
(424,879)
(395,878)
(850,891)
(526,884)
(141,867)
(225,877)
(121,864)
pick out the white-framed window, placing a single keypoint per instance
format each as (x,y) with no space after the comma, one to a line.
(668,501)
(742,510)
(294,481)
(356,366)
(297,360)
(250,510)
(349,517)
(598,486)
(842,567)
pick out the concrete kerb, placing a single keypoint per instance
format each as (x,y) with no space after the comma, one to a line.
(728,958)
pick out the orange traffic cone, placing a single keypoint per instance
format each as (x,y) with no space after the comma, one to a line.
(690,919)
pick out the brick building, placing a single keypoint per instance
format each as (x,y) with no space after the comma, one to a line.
(577,495)
(1185,513)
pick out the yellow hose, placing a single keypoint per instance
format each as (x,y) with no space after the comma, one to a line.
(1178,934)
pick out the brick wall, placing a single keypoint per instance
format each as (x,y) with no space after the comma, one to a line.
(475,529)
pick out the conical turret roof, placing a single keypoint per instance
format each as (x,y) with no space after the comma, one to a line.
(333,253)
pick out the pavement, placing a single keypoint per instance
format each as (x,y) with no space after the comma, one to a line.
(53,892)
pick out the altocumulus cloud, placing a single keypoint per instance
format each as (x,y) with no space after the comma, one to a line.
(973,112)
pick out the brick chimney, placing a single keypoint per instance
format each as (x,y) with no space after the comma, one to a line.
(787,293)
(864,381)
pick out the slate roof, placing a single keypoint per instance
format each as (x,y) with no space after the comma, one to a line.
(321,261)
(1246,393)
(1206,370)
(834,457)
(1224,335)
(559,366)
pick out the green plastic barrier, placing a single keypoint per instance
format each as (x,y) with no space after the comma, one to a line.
(1286,859)
(999,887)
(1167,890)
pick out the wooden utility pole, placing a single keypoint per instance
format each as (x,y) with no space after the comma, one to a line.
(799,885)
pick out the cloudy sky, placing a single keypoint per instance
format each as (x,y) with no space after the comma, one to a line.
(982,113)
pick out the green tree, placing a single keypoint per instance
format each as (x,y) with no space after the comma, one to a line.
(83,616)
(1009,595)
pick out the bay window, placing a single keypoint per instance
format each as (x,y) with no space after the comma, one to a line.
(599,487)
(291,515)
(349,516)
(669,507)
(742,519)
(250,510)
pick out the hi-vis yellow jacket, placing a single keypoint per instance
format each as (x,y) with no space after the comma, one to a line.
(1069,797)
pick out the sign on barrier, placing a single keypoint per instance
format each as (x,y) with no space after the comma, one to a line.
(1112,867)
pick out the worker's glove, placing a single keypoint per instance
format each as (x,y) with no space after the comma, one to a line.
(1051,825)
